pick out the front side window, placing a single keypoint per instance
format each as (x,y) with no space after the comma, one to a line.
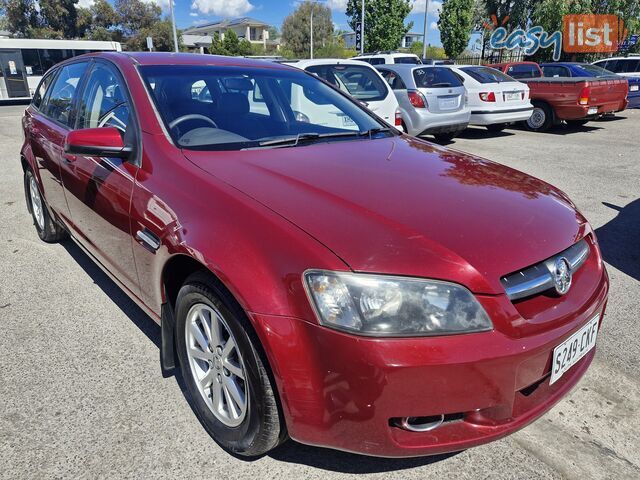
(248,107)
(435,77)
(486,75)
(103,102)
(60,101)
(358,81)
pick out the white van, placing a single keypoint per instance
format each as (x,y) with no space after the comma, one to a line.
(386,58)
(358,79)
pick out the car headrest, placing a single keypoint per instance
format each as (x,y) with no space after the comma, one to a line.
(233,104)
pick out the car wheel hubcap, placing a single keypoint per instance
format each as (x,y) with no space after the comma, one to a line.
(216,365)
(537,118)
(36,203)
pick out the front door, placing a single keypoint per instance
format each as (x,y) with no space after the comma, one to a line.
(15,79)
(99,189)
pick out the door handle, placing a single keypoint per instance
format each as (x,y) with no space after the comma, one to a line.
(148,240)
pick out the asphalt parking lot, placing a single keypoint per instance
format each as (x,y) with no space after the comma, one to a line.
(82,394)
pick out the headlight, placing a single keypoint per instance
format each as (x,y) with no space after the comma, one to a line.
(382,305)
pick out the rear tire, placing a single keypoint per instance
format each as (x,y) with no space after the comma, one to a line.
(48,229)
(496,127)
(541,119)
(250,428)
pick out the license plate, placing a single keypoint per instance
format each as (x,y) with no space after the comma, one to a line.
(447,103)
(510,97)
(633,88)
(593,110)
(573,349)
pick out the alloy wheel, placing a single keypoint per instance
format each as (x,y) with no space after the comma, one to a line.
(36,203)
(216,365)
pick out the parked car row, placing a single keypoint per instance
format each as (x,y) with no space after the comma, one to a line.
(442,100)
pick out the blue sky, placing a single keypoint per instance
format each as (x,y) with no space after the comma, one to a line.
(193,12)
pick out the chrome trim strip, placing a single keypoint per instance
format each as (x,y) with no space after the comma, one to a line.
(538,278)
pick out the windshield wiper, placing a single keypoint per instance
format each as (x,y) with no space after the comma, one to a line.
(311,137)
(289,141)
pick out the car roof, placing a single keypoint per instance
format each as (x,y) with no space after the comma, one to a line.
(504,64)
(386,54)
(170,58)
(328,61)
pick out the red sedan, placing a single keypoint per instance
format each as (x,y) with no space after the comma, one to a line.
(316,274)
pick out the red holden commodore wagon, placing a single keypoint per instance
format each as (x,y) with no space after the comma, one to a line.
(316,274)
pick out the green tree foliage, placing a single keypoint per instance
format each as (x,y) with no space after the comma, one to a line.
(136,15)
(334,48)
(231,45)
(456,24)
(296,28)
(162,34)
(384,25)
(21,16)
(60,16)
(434,53)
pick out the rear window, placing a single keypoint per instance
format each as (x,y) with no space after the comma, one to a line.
(358,81)
(410,60)
(524,71)
(486,74)
(594,70)
(435,77)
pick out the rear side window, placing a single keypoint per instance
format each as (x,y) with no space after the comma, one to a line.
(393,79)
(630,65)
(486,74)
(524,71)
(358,81)
(376,61)
(407,60)
(435,77)
(595,70)
(60,100)
(42,89)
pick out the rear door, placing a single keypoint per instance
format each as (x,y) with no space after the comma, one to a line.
(15,80)
(99,189)
(442,89)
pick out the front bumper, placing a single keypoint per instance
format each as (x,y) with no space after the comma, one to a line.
(343,391)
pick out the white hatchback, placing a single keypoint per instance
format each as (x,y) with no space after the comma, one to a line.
(495,99)
(358,79)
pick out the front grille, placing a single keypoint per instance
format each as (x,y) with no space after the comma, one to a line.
(539,277)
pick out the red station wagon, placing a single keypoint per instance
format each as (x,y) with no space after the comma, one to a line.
(329,280)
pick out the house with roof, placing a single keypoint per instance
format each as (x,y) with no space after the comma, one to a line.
(256,31)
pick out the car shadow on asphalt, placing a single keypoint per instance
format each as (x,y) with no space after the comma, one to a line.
(139,318)
(481,133)
(619,239)
(345,462)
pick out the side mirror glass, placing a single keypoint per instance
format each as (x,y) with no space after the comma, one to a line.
(97,142)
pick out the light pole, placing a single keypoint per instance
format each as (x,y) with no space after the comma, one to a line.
(362,30)
(424,37)
(173,24)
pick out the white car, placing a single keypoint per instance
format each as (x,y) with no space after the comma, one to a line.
(358,79)
(495,99)
(387,58)
(625,66)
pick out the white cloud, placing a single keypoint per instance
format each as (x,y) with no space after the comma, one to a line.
(340,5)
(223,8)
(435,7)
(85,3)
(193,14)
(434,26)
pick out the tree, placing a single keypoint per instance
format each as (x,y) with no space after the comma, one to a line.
(432,52)
(456,24)
(296,28)
(273,32)
(103,14)
(216,47)
(59,16)
(21,16)
(384,25)
(231,43)
(162,34)
(136,15)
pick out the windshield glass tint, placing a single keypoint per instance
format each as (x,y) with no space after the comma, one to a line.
(232,108)
(360,82)
(409,60)
(486,75)
(435,77)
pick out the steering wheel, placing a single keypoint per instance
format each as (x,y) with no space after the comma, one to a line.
(191,116)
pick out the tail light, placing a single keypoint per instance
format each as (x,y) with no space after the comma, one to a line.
(488,97)
(417,99)
(584,96)
(398,119)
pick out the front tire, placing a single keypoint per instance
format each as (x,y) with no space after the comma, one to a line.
(47,228)
(224,372)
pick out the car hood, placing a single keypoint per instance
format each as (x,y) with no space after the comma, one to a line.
(407,207)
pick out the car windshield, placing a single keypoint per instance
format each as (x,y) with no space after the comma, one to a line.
(435,77)
(235,108)
(594,70)
(487,75)
(410,60)
(358,81)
